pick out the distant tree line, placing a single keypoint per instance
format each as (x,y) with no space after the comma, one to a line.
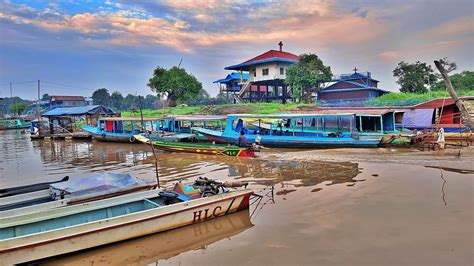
(13,105)
(419,77)
(127,103)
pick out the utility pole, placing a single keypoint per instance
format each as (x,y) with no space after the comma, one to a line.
(11,93)
(37,105)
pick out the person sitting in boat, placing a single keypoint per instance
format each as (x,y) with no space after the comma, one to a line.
(242,140)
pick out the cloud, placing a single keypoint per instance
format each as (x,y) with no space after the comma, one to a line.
(454,28)
(210,23)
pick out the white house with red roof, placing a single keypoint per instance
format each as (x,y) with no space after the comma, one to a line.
(267,73)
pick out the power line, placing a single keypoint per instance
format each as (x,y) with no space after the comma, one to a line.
(18,83)
(64,85)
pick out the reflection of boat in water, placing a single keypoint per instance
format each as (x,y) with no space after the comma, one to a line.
(149,249)
(50,233)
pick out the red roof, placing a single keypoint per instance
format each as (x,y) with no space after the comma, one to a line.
(274,54)
(437,103)
(67,98)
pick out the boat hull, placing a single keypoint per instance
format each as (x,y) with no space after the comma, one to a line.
(83,236)
(110,137)
(210,149)
(294,141)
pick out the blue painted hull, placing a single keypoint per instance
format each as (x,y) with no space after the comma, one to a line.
(111,137)
(306,141)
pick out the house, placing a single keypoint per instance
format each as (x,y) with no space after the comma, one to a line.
(350,89)
(57,101)
(232,83)
(267,73)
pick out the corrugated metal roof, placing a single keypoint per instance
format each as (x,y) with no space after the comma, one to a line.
(67,98)
(436,103)
(233,76)
(267,57)
(81,110)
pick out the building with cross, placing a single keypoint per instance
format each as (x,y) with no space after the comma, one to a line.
(350,89)
(266,76)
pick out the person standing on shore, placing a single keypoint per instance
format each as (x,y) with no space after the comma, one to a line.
(242,140)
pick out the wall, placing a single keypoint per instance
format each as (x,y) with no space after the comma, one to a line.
(343,95)
(273,71)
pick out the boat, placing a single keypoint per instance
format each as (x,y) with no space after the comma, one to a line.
(87,225)
(180,240)
(59,194)
(4,192)
(184,124)
(295,130)
(14,123)
(202,148)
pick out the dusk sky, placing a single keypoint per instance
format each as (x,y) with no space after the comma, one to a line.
(79,46)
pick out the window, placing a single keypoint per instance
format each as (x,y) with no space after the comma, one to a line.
(282,71)
(265,72)
(254,73)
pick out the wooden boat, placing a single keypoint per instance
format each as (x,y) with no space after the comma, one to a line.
(337,131)
(180,240)
(59,194)
(184,124)
(16,123)
(117,129)
(88,225)
(202,148)
(4,192)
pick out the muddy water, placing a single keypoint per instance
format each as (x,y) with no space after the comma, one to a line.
(318,213)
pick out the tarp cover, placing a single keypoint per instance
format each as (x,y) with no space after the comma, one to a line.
(96,185)
(80,110)
(418,118)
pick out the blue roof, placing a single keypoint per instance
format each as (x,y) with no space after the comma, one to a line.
(245,66)
(352,76)
(81,110)
(354,89)
(232,76)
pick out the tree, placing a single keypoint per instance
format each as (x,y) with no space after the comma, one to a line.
(307,76)
(149,101)
(116,101)
(460,81)
(101,97)
(45,97)
(174,83)
(18,108)
(130,102)
(414,77)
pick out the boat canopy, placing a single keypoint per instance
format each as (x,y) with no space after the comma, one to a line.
(80,110)
(101,184)
(130,118)
(291,115)
(197,117)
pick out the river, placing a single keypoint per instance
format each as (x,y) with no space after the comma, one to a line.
(314,212)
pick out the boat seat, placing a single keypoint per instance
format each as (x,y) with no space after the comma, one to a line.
(187,191)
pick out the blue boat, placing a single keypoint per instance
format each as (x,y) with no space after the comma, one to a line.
(293,130)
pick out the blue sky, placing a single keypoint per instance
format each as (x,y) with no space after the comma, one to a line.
(117,44)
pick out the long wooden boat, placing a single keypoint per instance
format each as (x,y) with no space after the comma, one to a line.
(6,124)
(188,238)
(202,148)
(4,192)
(340,134)
(88,225)
(59,194)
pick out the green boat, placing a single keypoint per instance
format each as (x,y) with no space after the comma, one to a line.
(202,148)
(13,123)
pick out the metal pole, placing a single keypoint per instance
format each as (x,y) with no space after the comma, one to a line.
(37,105)
(11,94)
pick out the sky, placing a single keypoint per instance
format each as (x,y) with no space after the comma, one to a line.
(75,47)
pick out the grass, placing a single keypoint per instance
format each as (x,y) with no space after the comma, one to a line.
(402,99)
(252,108)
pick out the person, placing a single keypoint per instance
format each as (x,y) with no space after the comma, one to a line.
(242,140)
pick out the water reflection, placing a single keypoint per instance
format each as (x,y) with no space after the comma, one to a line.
(153,248)
(54,159)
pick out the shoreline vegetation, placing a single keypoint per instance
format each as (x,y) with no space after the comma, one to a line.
(391,99)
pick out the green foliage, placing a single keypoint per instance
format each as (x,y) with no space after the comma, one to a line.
(116,101)
(307,75)
(252,108)
(203,98)
(174,83)
(18,108)
(405,99)
(45,97)
(6,104)
(414,77)
(101,97)
(460,81)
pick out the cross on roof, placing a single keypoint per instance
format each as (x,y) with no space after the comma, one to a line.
(355,70)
